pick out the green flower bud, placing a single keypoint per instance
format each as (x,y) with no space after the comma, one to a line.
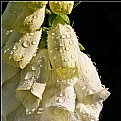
(61,7)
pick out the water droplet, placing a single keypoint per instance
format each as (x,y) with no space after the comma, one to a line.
(70,42)
(61,94)
(34,16)
(27,34)
(60,50)
(11,52)
(34,54)
(33,68)
(20,51)
(27,87)
(33,42)
(15,47)
(65,60)
(63,37)
(60,100)
(40,110)
(103,85)
(20,40)
(53,33)
(90,92)
(54,57)
(40,65)
(57,37)
(29,112)
(26,44)
(67,48)
(61,45)
(68,36)
(31,34)
(84,87)
(94,63)
(92,76)
(92,105)
(73,56)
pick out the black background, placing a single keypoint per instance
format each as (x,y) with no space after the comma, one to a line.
(98,26)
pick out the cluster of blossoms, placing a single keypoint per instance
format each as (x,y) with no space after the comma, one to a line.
(54,83)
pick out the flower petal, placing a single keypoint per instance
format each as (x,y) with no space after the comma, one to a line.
(63,48)
(21,48)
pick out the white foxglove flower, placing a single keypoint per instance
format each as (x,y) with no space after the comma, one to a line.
(33,81)
(89,90)
(21,48)
(63,50)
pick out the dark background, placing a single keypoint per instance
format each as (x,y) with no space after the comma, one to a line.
(98,26)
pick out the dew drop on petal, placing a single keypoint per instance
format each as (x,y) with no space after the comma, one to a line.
(61,94)
(84,87)
(34,16)
(27,87)
(54,57)
(31,34)
(73,56)
(53,33)
(65,60)
(63,37)
(90,92)
(60,100)
(33,68)
(92,76)
(68,36)
(27,34)
(57,37)
(26,44)
(70,42)
(34,54)
(33,42)
(67,48)
(61,45)
(15,47)
(60,50)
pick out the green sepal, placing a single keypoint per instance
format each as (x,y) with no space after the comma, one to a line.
(81,46)
(60,18)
